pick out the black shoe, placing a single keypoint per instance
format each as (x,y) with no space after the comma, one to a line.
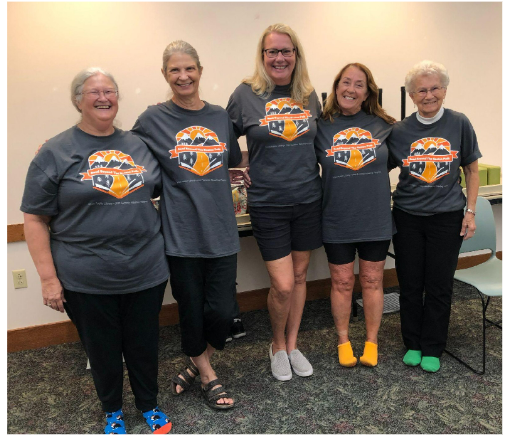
(237,330)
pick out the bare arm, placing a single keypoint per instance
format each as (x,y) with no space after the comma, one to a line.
(245,160)
(472,184)
(38,240)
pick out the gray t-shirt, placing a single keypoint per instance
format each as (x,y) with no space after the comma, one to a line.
(105,233)
(279,133)
(353,155)
(429,157)
(195,150)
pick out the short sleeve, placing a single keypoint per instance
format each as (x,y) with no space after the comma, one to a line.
(319,109)
(235,156)
(469,150)
(139,131)
(236,116)
(392,160)
(40,195)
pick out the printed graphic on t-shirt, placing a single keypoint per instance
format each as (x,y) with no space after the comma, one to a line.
(114,173)
(286,118)
(353,148)
(198,150)
(430,159)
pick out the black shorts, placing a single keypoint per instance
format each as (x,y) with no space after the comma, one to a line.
(282,229)
(344,253)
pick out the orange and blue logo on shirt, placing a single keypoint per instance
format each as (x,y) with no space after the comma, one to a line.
(353,148)
(198,150)
(115,173)
(286,118)
(430,159)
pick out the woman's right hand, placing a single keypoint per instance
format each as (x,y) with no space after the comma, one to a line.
(246,177)
(53,294)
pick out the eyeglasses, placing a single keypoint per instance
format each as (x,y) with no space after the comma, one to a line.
(94,94)
(434,90)
(273,53)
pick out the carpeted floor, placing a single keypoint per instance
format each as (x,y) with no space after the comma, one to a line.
(50,391)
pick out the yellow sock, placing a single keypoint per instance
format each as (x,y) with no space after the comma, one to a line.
(346,357)
(369,357)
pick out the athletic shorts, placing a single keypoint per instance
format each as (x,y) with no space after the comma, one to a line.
(344,253)
(282,229)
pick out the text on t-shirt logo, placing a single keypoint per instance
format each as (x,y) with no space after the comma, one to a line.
(430,159)
(114,173)
(353,148)
(286,118)
(198,150)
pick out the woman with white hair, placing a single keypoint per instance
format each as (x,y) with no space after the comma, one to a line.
(430,146)
(195,145)
(95,239)
(277,109)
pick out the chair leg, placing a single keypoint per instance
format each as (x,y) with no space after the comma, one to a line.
(484,320)
(496,324)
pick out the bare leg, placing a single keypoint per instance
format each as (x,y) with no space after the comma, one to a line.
(371,279)
(342,284)
(300,262)
(209,352)
(207,374)
(281,275)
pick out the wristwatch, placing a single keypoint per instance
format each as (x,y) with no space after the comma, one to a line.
(471,211)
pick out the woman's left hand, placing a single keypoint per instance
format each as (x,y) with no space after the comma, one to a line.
(468,226)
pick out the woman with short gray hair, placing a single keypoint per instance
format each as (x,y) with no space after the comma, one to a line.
(95,239)
(430,146)
(195,145)
(79,82)
(426,68)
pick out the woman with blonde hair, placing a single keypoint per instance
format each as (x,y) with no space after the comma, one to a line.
(277,109)
(356,213)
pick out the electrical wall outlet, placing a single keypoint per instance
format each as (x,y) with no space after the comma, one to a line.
(20,278)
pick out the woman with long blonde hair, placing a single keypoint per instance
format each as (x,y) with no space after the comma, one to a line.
(277,109)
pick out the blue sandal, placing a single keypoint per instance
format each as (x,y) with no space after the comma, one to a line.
(115,423)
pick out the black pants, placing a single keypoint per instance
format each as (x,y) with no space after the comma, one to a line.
(112,325)
(426,253)
(204,289)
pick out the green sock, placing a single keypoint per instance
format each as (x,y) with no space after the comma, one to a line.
(412,358)
(430,364)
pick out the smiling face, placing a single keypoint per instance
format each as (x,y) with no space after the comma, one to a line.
(279,69)
(98,111)
(183,75)
(351,90)
(430,104)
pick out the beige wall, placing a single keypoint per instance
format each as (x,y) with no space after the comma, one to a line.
(48,43)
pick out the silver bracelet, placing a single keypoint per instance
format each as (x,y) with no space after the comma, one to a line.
(471,211)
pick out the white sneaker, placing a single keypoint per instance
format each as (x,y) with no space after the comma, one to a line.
(300,364)
(280,366)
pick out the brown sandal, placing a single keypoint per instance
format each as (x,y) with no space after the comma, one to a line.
(189,373)
(212,396)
